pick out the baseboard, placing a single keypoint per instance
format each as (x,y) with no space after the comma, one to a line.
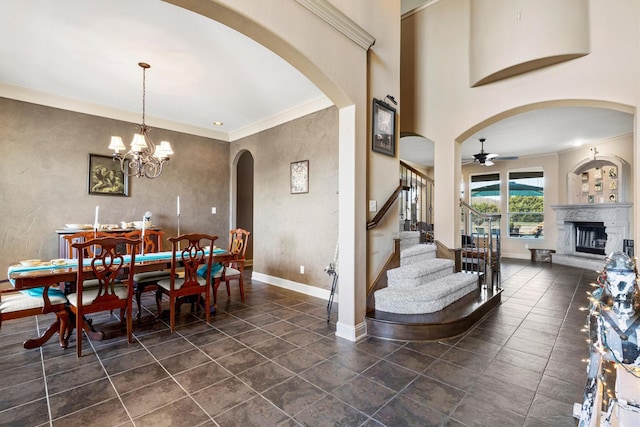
(351,333)
(294,286)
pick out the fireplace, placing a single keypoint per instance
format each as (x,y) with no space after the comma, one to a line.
(591,237)
(592,230)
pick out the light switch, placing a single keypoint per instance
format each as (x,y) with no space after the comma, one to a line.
(373,206)
(214,211)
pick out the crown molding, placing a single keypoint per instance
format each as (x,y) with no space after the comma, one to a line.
(341,22)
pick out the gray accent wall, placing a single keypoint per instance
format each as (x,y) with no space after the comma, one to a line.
(44,170)
(291,230)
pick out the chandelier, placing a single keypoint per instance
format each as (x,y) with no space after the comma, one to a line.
(144,158)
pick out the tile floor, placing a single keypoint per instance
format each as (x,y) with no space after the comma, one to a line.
(275,361)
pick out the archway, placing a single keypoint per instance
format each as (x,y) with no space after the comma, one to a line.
(546,137)
(242,198)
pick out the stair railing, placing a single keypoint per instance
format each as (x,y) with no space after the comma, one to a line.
(416,202)
(481,243)
(385,208)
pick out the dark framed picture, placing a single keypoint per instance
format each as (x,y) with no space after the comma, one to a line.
(106,177)
(299,177)
(384,128)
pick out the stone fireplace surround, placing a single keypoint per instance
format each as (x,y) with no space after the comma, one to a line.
(614,216)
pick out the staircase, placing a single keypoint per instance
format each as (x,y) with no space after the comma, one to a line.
(423,283)
(419,297)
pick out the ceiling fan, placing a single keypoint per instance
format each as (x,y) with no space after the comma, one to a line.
(487,159)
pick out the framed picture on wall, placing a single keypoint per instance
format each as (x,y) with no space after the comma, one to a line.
(299,177)
(383,134)
(597,173)
(106,177)
(598,186)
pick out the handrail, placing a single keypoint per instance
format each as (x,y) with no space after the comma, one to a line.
(480,214)
(416,171)
(385,208)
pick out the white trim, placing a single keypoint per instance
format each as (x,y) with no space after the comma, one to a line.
(341,22)
(293,286)
(78,106)
(357,333)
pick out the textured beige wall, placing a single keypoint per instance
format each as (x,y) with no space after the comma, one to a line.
(43,176)
(291,230)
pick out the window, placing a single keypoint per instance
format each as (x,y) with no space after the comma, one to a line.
(485,193)
(526,204)
(485,198)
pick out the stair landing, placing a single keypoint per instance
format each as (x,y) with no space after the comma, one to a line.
(449,322)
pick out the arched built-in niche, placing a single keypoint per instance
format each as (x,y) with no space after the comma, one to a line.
(597,179)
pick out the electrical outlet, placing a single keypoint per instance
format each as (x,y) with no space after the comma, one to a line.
(302,269)
(214,211)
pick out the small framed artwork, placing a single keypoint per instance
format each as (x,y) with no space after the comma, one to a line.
(106,177)
(598,186)
(585,176)
(613,185)
(383,134)
(613,198)
(597,173)
(592,198)
(299,177)
(613,172)
(585,187)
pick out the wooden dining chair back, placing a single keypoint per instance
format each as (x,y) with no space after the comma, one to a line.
(152,240)
(188,253)
(103,284)
(147,280)
(233,270)
(81,237)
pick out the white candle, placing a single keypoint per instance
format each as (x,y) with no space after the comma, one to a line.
(95,223)
(178,204)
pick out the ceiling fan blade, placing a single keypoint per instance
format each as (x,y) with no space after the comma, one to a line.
(492,155)
(489,163)
(506,158)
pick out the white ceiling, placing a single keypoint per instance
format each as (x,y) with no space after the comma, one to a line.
(544,131)
(82,55)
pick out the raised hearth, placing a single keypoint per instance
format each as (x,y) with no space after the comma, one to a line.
(614,216)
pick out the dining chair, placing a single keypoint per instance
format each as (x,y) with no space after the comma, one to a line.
(81,237)
(187,252)
(16,304)
(233,269)
(149,279)
(103,285)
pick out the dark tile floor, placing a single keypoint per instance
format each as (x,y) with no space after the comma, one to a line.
(274,361)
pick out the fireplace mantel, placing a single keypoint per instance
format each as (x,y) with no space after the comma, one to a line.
(614,216)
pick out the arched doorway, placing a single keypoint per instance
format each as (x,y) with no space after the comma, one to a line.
(243,199)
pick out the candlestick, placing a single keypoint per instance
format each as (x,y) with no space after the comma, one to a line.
(95,223)
(178,205)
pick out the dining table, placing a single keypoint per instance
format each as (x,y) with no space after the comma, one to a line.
(36,278)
